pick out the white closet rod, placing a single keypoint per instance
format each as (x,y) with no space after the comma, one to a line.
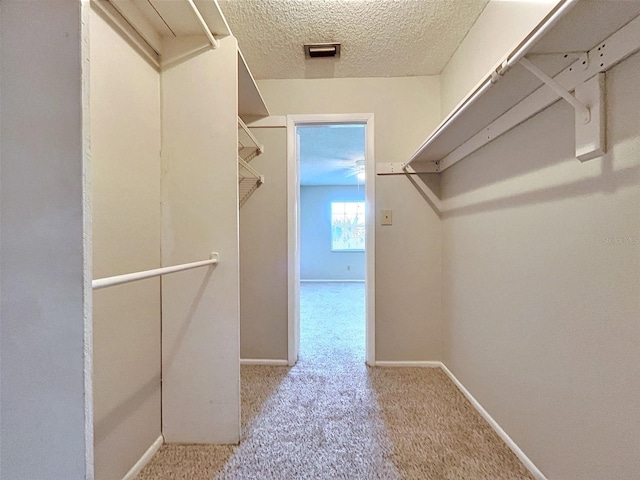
(132,277)
(203,24)
(533,37)
(251,136)
(514,58)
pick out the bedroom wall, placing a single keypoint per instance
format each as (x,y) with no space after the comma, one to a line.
(317,260)
(541,276)
(408,263)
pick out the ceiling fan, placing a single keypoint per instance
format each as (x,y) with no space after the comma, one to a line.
(357,170)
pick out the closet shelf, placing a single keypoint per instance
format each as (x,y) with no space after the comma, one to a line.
(575,42)
(251,105)
(157,20)
(248,181)
(166,31)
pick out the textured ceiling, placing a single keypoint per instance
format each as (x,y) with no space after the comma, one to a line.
(380,38)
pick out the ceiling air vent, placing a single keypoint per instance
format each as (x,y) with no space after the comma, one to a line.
(316,50)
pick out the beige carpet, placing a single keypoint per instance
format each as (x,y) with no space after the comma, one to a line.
(331,417)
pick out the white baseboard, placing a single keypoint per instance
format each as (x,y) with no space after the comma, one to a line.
(264,361)
(529,465)
(140,464)
(332,281)
(423,364)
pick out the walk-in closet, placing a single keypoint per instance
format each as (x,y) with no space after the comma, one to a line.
(150,224)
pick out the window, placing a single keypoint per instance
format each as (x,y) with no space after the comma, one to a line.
(347,226)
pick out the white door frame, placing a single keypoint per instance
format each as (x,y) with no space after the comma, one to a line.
(293,227)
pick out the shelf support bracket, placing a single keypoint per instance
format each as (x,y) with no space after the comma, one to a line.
(589,103)
(580,108)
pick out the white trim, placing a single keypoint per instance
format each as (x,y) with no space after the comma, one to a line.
(264,361)
(293,226)
(529,465)
(87,246)
(148,455)
(420,364)
(305,280)
(370,242)
(293,253)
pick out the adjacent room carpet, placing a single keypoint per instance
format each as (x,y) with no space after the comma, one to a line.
(331,417)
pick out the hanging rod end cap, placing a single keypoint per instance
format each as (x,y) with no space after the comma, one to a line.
(214,256)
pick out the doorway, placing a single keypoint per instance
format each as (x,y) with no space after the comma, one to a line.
(353,230)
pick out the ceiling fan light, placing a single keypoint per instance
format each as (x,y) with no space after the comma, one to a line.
(361,176)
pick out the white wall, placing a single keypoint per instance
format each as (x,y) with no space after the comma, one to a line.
(125,148)
(200,308)
(263,254)
(408,267)
(541,260)
(317,260)
(45,394)
(502,25)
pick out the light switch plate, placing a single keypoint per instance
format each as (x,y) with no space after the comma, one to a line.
(386,217)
